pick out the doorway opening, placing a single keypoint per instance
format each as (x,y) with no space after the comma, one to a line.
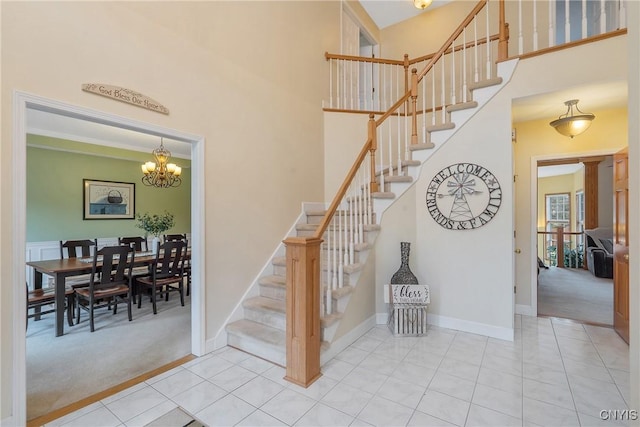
(574,215)
(25,103)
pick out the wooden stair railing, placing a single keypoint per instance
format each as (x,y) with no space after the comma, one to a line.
(306,297)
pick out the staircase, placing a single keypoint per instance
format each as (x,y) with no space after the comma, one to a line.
(262,330)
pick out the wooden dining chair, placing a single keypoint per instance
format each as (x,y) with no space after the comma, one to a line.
(187,261)
(77,248)
(109,284)
(138,243)
(167,273)
(45,299)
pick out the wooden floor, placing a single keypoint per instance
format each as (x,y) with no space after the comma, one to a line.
(37,422)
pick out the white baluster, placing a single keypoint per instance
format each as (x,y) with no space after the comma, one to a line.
(464,65)
(453,72)
(567,22)
(442,91)
(433,94)
(475,49)
(328,274)
(488,33)
(381,151)
(622,14)
(424,115)
(520,36)
(552,20)
(584,19)
(406,142)
(535,26)
(603,17)
(331,83)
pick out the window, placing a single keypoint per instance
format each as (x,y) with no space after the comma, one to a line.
(598,20)
(580,217)
(557,214)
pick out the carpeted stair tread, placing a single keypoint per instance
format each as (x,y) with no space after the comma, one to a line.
(398,178)
(425,146)
(485,83)
(248,329)
(462,106)
(263,303)
(383,195)
(273,280)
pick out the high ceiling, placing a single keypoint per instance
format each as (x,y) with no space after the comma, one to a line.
(388,12)
(384,12)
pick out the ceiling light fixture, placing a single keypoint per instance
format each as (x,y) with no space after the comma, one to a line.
(570,124)
(422,4)
(161,174)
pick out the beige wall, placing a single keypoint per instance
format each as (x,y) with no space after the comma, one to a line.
(424,33)
(248,76)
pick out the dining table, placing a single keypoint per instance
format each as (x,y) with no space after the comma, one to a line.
(60,269)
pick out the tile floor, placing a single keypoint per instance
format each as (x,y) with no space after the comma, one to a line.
(553,374)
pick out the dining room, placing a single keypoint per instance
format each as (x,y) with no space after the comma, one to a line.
(89,189)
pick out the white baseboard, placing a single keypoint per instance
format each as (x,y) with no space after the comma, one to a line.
(461,325)
(525,310)
(219,341)
(346,340)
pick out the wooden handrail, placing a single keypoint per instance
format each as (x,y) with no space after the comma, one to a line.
(458,48)
(322,226)
(573,233)
(329,56)
(452,37)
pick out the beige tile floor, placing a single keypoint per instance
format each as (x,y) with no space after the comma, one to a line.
(553,374)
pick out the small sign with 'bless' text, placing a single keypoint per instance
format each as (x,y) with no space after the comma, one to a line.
(410,294)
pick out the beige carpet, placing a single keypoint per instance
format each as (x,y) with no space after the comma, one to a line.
(65,369)
(575,294)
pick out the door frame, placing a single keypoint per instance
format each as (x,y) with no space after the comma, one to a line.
(533,223)
(23,101)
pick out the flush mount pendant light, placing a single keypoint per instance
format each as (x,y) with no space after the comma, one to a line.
(161,174)
(422,4)
(570,124)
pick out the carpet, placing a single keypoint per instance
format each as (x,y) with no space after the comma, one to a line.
(63,370)
(575,294)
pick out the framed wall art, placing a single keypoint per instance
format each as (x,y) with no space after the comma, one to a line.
(108,199)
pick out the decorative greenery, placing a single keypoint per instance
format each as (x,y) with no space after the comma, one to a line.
(155,224)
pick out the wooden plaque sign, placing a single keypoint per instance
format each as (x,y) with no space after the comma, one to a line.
(410,294)
(125,95)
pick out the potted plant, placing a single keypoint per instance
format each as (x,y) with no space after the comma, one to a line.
(155,224)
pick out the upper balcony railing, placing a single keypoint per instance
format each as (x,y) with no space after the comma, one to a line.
(361,84)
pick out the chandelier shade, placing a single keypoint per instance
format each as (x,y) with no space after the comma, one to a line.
(422,4)
(571,124)
(161,173)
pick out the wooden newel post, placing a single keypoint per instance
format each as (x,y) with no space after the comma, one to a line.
(406,72)
(414,98)
(371,135)
(303,310)
(560,247)
(503,35)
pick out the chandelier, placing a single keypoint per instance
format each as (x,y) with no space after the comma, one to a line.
(160,173)
(570,124)
(422,4)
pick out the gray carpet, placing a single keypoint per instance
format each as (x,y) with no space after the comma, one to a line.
(575,294)
(65,369)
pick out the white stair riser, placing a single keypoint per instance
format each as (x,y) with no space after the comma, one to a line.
(259,348)
(266,317)
(273,292)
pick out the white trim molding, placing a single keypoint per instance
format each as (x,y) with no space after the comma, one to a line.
(346,340)
(23,101)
